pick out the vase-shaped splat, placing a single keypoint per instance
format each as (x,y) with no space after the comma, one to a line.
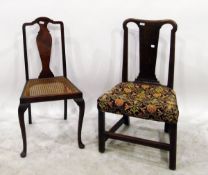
(44,44)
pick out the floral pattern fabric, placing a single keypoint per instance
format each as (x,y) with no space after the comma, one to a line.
(142,100)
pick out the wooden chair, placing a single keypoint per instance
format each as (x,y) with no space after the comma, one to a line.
(145,97)
(47,87)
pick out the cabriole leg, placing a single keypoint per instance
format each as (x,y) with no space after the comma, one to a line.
(22,108)
(81,104)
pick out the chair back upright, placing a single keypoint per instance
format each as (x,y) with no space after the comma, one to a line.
(44,45)
(149,31)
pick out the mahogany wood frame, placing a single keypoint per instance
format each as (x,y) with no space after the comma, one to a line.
(149,34)
(26,103)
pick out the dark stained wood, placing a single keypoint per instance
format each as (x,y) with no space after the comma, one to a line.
(65,109)
(80,102)
(148,51)
(126,120)
(166,128)
(117,125)
(43,20)
(63,48)
(44,44)
(29,114)
(172,59)
(148,38)
(25,52)
(173,146)
(22,108)
(136,140)
(101,131)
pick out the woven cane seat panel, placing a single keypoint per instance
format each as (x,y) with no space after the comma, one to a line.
(49,87)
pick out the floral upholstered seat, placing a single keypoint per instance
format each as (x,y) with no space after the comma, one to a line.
(147,101)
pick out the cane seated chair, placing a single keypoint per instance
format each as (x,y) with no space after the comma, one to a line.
(47,87)
(145,97)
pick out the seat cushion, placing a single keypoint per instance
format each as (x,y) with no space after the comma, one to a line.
(49,87)
(147,101)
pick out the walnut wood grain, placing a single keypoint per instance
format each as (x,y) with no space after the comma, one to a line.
(44,43)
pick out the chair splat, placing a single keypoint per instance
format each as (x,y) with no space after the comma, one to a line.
(44,44)
(149,36)
(149,31)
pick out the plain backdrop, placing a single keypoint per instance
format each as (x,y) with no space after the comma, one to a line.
(94,43)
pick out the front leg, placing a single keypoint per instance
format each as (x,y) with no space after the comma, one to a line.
(80,102)
(22,108)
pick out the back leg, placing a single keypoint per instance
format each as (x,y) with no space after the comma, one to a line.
(173,145)
(126,120)
(29,114)
(65,109)
(166,128)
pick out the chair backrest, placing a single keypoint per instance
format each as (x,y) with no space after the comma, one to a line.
(44,45)
(148,38)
